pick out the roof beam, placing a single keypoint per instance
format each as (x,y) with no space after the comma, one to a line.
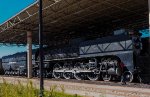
(13,21)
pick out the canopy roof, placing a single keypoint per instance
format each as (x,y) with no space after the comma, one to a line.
(66,19)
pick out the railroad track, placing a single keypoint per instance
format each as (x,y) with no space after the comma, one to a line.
(92,88)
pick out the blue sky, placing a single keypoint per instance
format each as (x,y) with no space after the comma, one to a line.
(9,8)
(6,50)
(145,33)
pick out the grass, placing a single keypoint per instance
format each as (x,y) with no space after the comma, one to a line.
(20,90)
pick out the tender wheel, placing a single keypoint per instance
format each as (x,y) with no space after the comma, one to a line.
(6,72)
(106,76)
(57,74)
(128,76)
(93,76)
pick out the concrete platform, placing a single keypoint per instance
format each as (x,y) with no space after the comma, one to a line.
(87,90)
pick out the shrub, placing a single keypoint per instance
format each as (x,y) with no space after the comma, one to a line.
(28,90)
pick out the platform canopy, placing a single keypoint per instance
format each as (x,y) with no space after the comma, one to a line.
(69,19)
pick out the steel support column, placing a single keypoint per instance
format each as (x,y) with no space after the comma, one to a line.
(41,48)
(149,23)
(29,54)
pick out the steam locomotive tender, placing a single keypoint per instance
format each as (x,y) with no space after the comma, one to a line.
(16,64)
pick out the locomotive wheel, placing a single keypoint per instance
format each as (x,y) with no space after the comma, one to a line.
(92,76)
(57,74)
(128,76)
(67,75)
(67,66)
(106,76)
(79,76)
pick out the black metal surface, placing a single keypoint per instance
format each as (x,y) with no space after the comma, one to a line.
(41,48)
(120,46)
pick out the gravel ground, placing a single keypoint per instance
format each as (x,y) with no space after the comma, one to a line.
(114,83)
(89,88)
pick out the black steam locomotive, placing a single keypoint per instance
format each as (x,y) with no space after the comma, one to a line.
(107,58)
